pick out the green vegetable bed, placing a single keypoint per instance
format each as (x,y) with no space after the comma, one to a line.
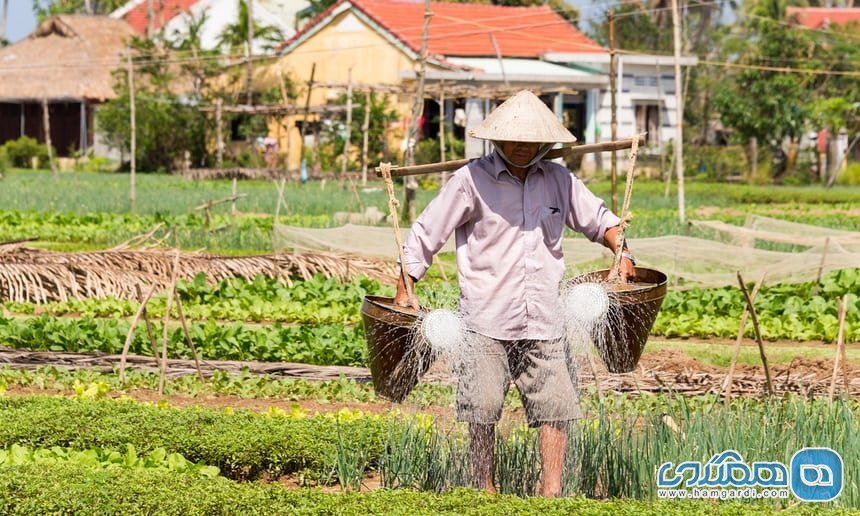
(785,311)
(41,489)
(242,444)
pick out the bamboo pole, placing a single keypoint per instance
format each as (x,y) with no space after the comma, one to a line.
(450,166)
(348,135)
(46,128)
(751,309)
(365,130)
(219,160)
(444,177)
(187,334)
(304,128)
(613,124)
(132,194)
(130,335)
(679,111)
(411,185)
(821,267)
(625,211)
(149,332)
(163,369)
(839,352)
(249,67)
(283,182)
(727,384)
(393,204)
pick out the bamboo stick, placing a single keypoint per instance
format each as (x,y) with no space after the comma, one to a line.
(187,334)
(130,336)
(132,189)
(727,385)
(450,166)
(166,319)
(365,129)
(842,309)
(751,309)
(615,274)
(393,204)
(613,109)
(821,267)
(46,127)
(150,333)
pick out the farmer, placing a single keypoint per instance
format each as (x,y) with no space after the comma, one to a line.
(508,211)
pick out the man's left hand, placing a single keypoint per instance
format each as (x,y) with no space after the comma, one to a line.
(626,270)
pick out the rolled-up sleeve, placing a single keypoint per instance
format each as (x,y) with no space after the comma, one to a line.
(445,213)
(588,213)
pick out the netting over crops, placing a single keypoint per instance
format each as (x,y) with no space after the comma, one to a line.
(688,261)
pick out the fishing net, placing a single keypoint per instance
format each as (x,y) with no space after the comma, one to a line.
(688,261)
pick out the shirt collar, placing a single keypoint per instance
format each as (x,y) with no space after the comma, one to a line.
(500,166)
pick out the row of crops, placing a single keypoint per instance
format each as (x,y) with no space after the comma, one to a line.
(318,321)
(614,452)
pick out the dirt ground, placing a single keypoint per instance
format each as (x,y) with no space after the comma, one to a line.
(669,365)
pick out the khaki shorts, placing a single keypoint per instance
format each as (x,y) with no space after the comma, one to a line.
(539,369)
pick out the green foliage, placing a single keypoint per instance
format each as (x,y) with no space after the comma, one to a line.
(851,175)
(636,29)
(318,300)
(234,37)
(381,117)
(785,311)
(72,489)
(167,125)
(20,152)
(715,162)
(427,150)
(242,444)
(772,105)
(329,344)
(614,450)
(46,8)
(99,459)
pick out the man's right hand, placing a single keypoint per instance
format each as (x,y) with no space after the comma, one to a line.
(402,297)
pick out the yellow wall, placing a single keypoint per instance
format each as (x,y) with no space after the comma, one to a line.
(343,43)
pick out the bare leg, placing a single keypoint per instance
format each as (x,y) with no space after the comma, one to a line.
(481,444)
(553,444)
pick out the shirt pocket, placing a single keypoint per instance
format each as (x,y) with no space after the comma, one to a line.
(552,226)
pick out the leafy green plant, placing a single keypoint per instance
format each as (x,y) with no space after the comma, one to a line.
(242,444)
(98,458)
(21,152)
(785,311)
(73,489)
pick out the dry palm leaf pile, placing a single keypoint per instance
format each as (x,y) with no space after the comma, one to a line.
(40,276)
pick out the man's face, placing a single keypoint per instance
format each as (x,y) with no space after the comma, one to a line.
(519,153)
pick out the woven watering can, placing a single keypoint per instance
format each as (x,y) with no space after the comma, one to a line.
(398,352)
(621,342)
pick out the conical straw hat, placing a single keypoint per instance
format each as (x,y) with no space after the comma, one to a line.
(523,118)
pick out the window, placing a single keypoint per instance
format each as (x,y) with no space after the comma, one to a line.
(645,81)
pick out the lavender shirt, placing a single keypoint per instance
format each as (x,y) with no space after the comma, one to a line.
(509,242)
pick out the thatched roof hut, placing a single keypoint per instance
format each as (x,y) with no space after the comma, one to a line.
(65,58)
(68,61)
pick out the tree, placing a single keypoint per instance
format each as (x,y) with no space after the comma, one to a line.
(46,8)
(776,106)
(381,116)
(168,124)
(234,37)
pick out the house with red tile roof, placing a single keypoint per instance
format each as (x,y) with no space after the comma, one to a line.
(480,53)
(171,17)
(823,17)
